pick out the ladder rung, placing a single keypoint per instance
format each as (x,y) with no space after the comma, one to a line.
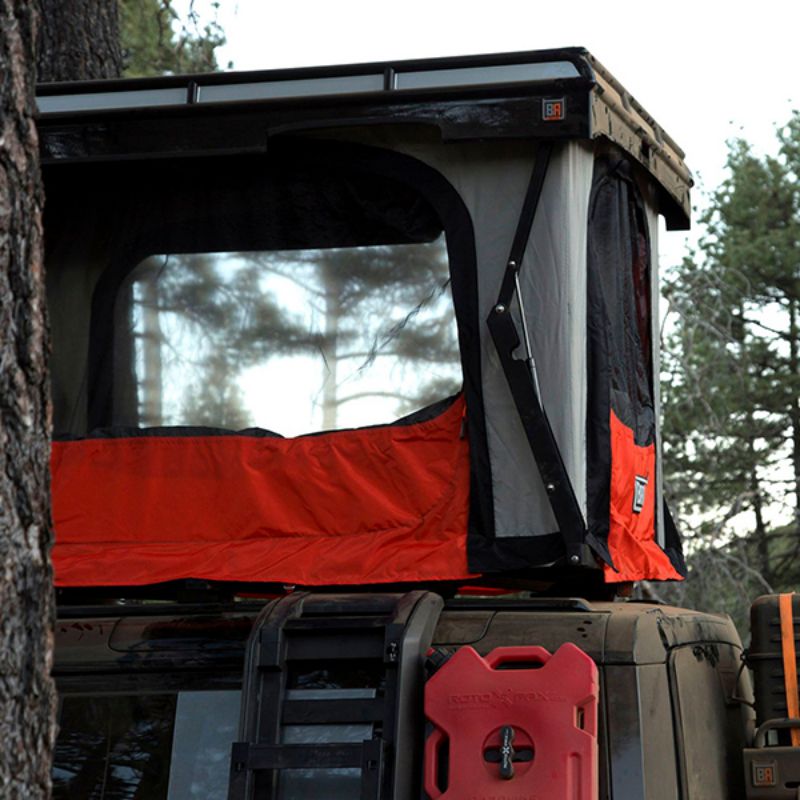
(351,710)
(323,648)
(297,756)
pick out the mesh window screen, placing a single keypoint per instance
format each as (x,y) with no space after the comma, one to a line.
(292,341)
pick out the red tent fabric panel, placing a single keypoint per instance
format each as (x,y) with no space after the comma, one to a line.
(372,505)
(631,538)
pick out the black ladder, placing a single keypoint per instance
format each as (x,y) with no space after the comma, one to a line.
(332,698)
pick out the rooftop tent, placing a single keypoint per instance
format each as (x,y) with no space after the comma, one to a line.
(464,309)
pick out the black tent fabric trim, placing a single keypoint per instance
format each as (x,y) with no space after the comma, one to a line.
(672,543)
(514,554)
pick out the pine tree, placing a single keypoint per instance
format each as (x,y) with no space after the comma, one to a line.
(156,41)
(732,413)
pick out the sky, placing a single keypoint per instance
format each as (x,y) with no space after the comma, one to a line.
(708,71)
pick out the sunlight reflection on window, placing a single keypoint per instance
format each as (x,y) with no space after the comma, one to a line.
(290,341)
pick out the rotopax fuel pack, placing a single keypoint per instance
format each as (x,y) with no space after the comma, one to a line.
(518,723)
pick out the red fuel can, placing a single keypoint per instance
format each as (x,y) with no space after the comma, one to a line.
(520,723)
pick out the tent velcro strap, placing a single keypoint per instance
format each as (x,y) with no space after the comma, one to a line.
(789,653)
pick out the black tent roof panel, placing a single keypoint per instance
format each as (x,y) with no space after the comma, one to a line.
(557,94)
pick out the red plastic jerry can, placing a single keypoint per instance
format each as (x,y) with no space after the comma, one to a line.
(528,732)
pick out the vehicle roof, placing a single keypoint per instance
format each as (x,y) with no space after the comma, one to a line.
(474,97)
(103,637)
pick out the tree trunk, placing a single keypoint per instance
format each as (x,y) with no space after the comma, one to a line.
(794,411)
(79,40)
(27,696)
(330,356)
(760,533)
(151,412)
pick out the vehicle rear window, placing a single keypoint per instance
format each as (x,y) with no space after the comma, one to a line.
(156,746)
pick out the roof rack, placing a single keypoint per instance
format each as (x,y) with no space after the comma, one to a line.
(386,77)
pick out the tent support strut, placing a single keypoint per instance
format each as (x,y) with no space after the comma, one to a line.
(580,545)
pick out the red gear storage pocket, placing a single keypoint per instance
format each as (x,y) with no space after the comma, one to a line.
(632,525)
(530,731)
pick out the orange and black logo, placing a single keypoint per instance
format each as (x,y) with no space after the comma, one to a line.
(765,773)
(554,109)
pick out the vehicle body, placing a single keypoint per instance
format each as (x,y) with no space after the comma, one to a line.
(671,724)
(247,613)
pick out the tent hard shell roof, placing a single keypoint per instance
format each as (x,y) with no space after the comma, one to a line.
(477,236)
(564,93)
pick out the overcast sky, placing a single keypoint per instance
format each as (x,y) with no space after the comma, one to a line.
(706,70)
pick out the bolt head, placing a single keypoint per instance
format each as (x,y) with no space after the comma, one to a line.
(500,308)
(575,559)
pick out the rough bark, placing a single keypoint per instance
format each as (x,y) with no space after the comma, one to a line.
(79,40)
(26,599)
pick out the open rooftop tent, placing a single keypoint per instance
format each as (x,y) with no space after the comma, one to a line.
(477,236)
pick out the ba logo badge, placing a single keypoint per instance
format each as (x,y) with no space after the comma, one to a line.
(765,773)
(639,491)
(554,109)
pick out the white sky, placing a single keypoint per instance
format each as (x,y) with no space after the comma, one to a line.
(706,70)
